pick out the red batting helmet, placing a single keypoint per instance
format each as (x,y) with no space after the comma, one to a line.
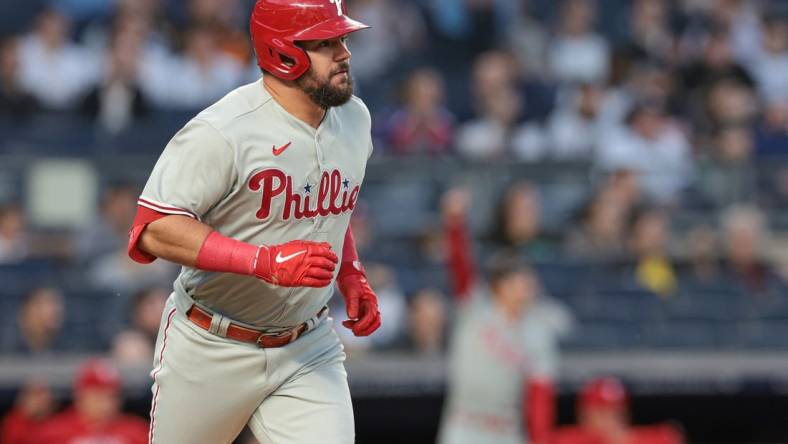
(604,393)
(277,24)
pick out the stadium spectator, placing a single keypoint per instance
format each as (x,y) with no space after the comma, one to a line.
(600,234)
(54,70)
(728,175)
(746,238)
(16,104)
(603,418)
(527,39)
(716,89)
(729,102)
(717,63)
(131,348)
(577,53)
(490,135)
(518,223)
(427,319)
(743,19)
(397,32)
(110,229)
(495,73)
(649,31)
(115,272)
(654,269)
(39,324)
(770,66)
(225,19)
(639,81)
(147,308)
(422,125)
(117,101)
(492,71)
(33,405)
(96,414)
(574,128)
(772,132)
(14,239)
(134,345)
(654,147)
(201,74)
(101,247)
(703,266)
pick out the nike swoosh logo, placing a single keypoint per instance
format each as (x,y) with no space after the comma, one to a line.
(281,149)
(282,259)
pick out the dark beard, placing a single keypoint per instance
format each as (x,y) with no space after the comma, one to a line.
(323,94)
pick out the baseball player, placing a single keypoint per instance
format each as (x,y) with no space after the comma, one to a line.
(603,418)
(503,353)
(253,197)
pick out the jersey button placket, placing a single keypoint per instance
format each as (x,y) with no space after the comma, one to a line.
(318,221)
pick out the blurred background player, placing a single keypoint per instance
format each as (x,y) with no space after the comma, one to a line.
(603,417)
(95,415)
(503,352)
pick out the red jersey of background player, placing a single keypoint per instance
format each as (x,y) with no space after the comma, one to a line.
(95,417)
(71,427)
(603,418)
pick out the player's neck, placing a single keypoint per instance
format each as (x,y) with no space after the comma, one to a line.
(294,101)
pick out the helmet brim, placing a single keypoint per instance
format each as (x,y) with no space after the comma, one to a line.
(329,29)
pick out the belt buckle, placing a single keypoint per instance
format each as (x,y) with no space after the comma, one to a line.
(293,333)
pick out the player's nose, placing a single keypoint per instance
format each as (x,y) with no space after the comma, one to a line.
(342,52)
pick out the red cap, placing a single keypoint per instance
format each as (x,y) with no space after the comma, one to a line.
(98,373)
(604,393)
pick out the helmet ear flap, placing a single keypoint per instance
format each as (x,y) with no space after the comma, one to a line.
(284,60)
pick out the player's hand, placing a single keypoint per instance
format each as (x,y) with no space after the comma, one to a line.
(296,264)
(362,304)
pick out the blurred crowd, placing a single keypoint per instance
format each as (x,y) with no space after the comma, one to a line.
(674,112)
(671,107)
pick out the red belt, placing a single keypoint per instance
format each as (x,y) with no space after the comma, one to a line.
(203,319)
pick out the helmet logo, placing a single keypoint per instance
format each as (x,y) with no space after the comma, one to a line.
(338,4)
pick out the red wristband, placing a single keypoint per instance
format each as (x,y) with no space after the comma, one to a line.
(220,253)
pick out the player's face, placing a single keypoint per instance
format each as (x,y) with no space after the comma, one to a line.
(515,291)
(328,82)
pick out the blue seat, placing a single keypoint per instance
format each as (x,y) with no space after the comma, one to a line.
(24,276)
(604,335)
(687,334)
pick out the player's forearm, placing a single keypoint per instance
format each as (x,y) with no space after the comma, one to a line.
(540,409)
(175,238)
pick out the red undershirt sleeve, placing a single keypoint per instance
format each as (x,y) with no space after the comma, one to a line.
(462,271)
(539,409)
(144,217)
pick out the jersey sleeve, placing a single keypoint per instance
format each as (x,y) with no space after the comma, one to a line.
(195,171)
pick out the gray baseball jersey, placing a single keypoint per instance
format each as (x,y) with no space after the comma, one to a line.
(491,358)
(253,172)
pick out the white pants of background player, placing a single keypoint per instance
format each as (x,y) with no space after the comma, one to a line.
(207,388)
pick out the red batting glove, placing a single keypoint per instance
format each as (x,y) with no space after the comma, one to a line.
(296,264)
(361,302)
